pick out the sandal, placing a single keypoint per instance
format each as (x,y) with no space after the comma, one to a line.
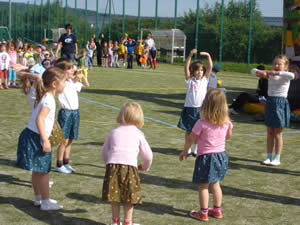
(199,215)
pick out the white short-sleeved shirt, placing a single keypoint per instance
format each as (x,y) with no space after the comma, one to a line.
(196,91)
(213,81)
(278,86)
(69,98)
(4,60)
(49,102)
(150,42)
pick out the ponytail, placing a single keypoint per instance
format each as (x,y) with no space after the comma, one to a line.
(40,92)
(25,85)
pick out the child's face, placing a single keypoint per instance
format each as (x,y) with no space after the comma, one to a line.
(105,44)
(199,73)
(60,86)
(70,72)
(47,56)
(84,54)
(279,65)
(12,48)
(39,50)
(3,48)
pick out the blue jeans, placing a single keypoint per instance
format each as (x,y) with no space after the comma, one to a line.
(68,56)
(12,74)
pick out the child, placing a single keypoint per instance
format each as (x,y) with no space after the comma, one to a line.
(34,149)
(138,50)
(115,50)
(47,60)
(277,110)
(84,62)
(110,54)
(22,52)
(120,152)
(123,49)
(4,65)
(130,50)
(68,115)
(144,56)
(196,78)
(28,57)
(104,54)
(13,60)
(153,55)
(91,48)
(211,164)
(213,79)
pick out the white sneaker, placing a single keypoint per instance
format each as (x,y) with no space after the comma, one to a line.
(267,162)
(69,167)
(50,206)
(62,169)
(233,112)
(275,163)
(39,202)
(51,182)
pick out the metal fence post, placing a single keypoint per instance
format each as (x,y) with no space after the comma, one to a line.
(221,33)
(156,12)
(109,20)
(250,32)
(139,18)
(123,22)
(197,28)
(175,15)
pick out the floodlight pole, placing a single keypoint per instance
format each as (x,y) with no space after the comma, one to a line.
(109,20)
(197,28)
(139,18)
(76,16)
(97,6)
(85,24)
(221,33)
(156,9)
(34,15)
(175,15)
(9,23)
(123,22)
(66,11)
(250,32)
(48,24)
(42,3)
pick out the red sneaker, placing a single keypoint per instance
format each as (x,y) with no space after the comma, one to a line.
(199,215)
(215,213)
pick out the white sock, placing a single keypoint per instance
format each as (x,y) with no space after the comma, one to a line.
(37,198)
(195,148)
(45,201)
(189,151)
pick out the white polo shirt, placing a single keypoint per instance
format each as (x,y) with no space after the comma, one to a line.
(196,91)
(69,98)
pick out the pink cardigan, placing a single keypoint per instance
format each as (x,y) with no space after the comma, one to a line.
(123,145)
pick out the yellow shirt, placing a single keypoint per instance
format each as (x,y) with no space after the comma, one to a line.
(122,49)
(138,49)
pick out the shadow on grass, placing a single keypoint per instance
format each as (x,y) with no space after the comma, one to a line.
(175,183)
(8,162)
(86,164)
(260,168)
(52,218)
(155,208)
(167,151)
(144,96)
(89,143)
(13,180)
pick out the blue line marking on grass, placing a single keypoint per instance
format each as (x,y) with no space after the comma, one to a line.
(172,125)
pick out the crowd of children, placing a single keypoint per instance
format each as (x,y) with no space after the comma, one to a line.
(205,119)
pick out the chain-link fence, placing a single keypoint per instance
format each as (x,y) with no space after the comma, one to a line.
(206,24)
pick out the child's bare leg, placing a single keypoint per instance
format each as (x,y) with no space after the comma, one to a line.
(203,195)
(35,183)
(43,184)
(128,211)
(115,208)
(67,149)
(270,139)
(217,193)
(278,140)
(61,151)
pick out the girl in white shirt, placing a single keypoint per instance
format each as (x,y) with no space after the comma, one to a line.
(196,78)
(277,110)
(34,148)
(4,65)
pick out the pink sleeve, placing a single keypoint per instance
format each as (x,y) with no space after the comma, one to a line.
(230,126)
(105,148)
(146,153)
(197,128)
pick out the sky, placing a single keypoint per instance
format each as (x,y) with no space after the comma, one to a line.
(166,7)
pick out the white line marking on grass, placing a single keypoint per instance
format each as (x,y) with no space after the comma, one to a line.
(174,126)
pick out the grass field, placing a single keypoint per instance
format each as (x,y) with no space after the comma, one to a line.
(253,194)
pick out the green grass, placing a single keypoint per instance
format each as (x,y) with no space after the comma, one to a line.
(253,194)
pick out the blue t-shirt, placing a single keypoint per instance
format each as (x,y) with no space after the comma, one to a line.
(130,46)
(68,43)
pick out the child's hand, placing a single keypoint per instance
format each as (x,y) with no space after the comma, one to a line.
(183,155)
(272,73)
(204,53)
(79,76)
(19,67)
(193,51)
(46,146)
(140,167)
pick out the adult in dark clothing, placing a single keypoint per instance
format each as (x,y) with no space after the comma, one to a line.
(68,42)
(243,98)
(99,45)
(294,89)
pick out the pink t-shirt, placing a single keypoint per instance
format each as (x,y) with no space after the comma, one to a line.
(123,145)
(13,57)
(211,138)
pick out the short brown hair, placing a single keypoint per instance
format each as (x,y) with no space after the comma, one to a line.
(64,64)
(131,113)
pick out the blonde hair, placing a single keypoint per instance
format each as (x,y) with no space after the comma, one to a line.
(214,108)
(64,64)
(284,58)
(131,113)
(50,75)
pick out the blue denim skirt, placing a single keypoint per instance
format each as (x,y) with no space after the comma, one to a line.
(210,168)
(30,155)
(277,112)
(188,117)
(69,122)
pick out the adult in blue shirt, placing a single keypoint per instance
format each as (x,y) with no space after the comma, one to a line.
(130,51)
(68,42)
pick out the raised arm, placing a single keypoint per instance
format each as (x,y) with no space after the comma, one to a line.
(210,64)
(285,74)
(260,73)
(57,49)
(187,64)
